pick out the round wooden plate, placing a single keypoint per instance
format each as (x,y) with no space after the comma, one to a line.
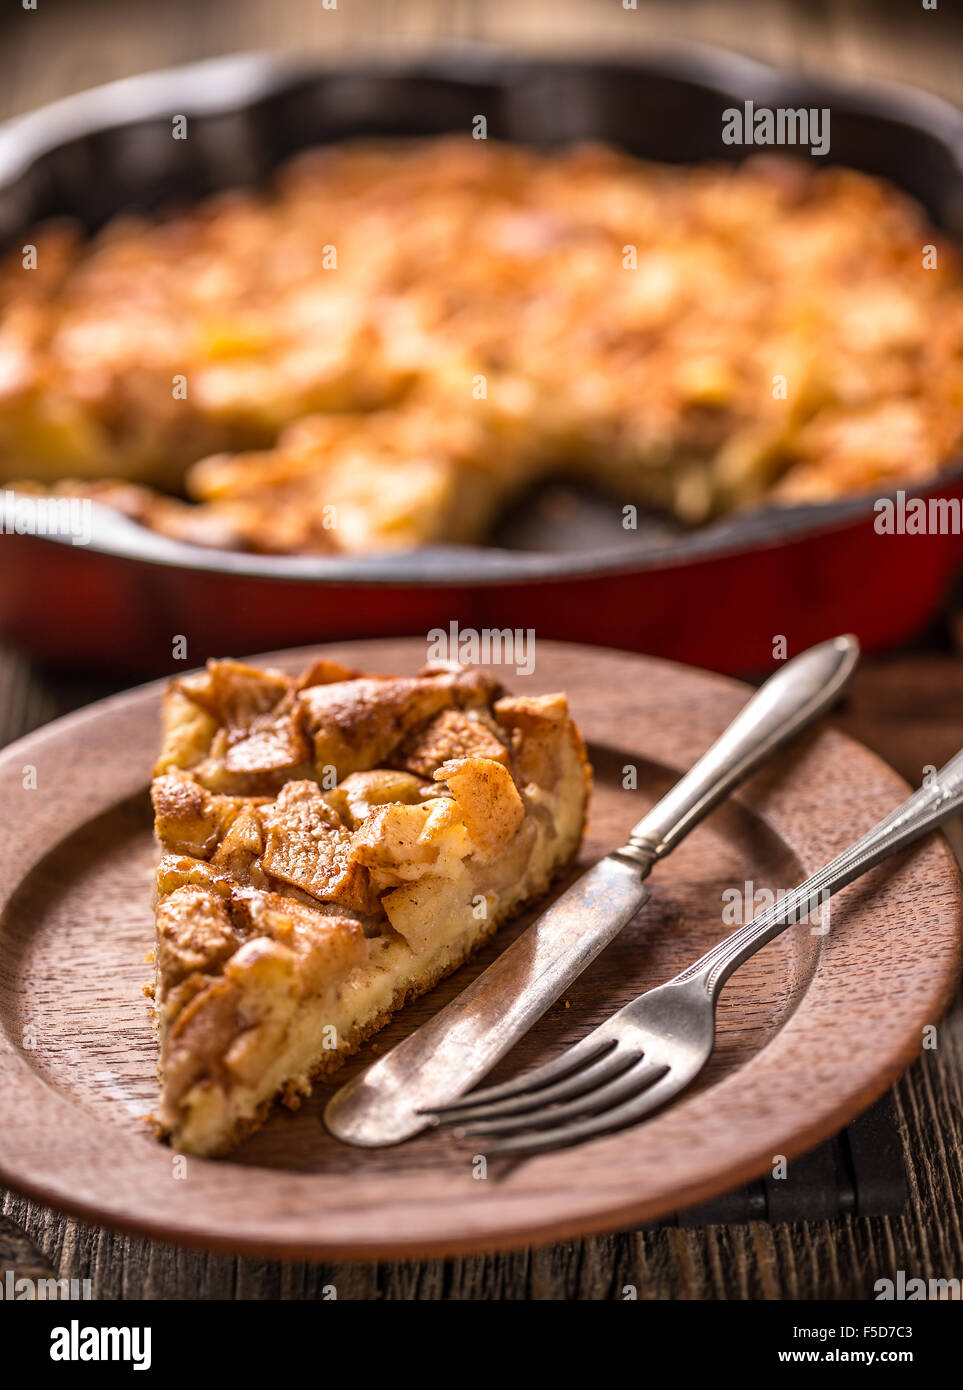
(810,1031)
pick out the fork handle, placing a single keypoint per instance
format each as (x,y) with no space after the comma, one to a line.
(934,803)
(804,688)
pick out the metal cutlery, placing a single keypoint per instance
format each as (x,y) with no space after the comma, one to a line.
(391,1100)
(651,1049)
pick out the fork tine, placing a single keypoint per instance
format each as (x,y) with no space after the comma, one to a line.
(589,1078)
(590,1049)
(622,1115)
(629,1083)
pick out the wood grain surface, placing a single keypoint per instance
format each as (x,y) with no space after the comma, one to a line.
(910,709)
(63,47)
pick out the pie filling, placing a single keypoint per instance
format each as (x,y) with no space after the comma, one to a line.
(394,341)
(330,847)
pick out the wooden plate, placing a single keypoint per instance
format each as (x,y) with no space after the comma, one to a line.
(811,1030)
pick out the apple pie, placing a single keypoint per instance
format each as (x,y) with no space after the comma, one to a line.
(397,339)
(330,847)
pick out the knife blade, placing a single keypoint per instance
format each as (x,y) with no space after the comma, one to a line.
(446,1056)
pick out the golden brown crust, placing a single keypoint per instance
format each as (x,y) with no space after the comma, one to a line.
(276,884)
(693,338)
(452,734)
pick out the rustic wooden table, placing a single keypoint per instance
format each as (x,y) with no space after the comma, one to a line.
(62,47)
(909,707)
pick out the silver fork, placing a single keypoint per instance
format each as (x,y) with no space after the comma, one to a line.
(651,1049)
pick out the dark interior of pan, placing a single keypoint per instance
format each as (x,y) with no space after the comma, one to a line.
(111,150)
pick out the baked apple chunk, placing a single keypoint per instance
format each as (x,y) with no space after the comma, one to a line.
(330,847)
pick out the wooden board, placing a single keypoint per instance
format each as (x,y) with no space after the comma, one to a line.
(810,1031)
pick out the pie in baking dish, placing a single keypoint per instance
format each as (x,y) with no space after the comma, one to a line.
(330,847)
(397,339)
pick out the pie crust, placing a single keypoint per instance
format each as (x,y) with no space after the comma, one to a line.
(329,848)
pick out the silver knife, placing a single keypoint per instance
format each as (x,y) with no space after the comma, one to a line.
(446,1056)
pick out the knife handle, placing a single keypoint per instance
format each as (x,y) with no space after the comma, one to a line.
(804,688)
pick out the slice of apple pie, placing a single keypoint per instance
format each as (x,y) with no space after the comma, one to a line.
(331,846)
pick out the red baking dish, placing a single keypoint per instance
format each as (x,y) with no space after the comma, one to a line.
(717,597)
